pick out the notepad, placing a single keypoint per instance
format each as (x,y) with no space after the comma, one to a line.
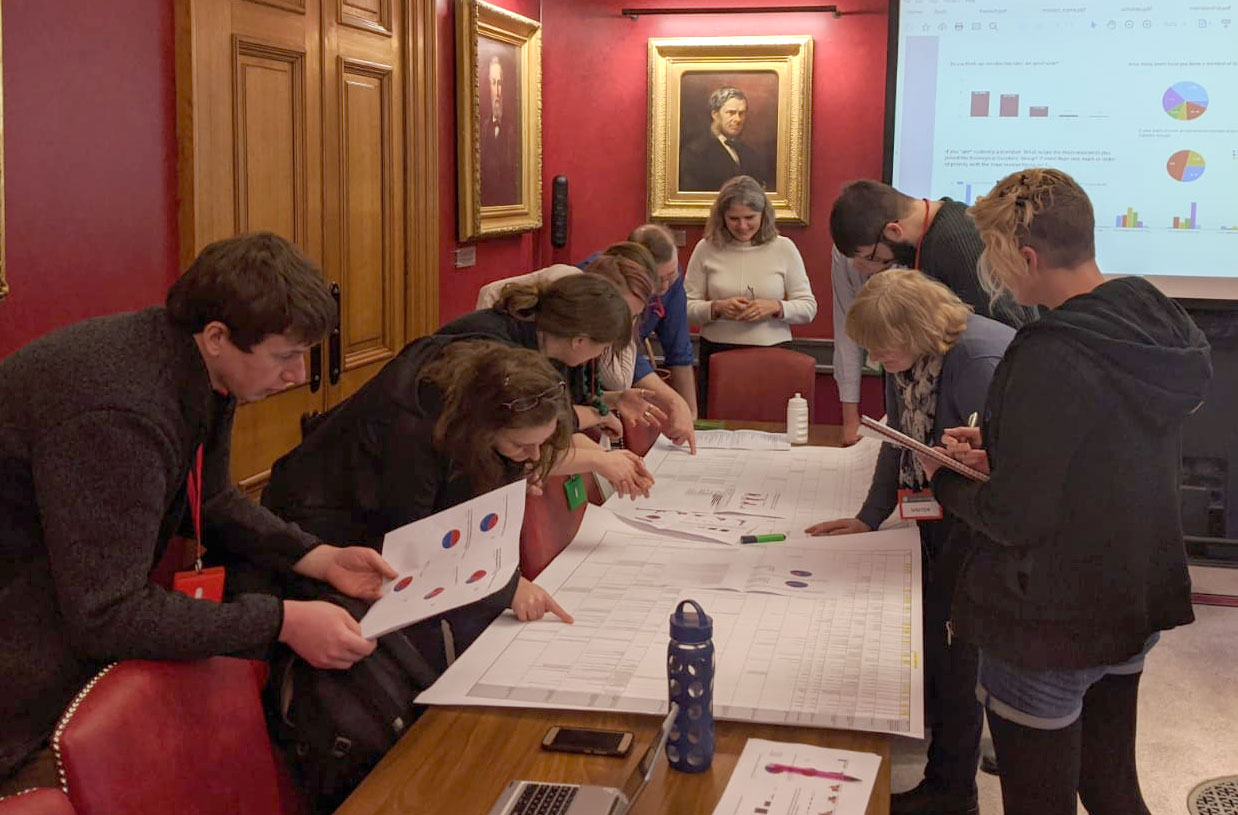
(888,434)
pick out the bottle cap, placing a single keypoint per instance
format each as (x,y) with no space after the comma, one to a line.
(691,626)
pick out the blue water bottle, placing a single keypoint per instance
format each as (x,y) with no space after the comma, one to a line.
(690,675)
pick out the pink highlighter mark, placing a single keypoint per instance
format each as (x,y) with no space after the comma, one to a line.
(811,772)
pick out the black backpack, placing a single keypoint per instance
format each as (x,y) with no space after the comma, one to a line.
(336,725)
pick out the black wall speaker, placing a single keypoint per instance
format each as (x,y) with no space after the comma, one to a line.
(558,212)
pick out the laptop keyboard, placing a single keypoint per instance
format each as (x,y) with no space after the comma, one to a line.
(544,799)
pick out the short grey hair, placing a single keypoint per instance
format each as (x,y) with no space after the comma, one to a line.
(723,95)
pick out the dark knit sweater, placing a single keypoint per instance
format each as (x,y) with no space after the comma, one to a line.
(951,253)
(98,424)
(1080,556)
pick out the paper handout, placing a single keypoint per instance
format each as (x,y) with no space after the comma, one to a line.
(887,434)
(784,778)
(449,559)
(712,526)
(741,440)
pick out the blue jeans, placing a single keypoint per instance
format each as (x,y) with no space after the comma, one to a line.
(1047,699)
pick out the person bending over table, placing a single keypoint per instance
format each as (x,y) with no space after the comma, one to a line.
(443,422)
(940,358)
(746,284)
(1080,562)
(571,321)
(100,423)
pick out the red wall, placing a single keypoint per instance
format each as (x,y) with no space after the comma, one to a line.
(595,125)
(496,257)
(90,161)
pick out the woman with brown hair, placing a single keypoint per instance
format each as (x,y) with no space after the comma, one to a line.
(571,321)
(746,284)
(1079,561)
(443,422)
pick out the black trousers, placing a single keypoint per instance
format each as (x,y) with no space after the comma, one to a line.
(950,667)
(706,349)
(1042,770)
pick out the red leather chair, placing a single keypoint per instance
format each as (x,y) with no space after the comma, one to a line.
(754,384)
(549,526)
(37,801)
(638,437)
(186,737)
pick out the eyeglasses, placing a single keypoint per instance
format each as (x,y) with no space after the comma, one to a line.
(524,403)
(871,257)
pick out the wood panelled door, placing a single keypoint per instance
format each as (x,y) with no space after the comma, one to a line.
(291,118)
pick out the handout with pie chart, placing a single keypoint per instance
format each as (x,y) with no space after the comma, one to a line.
(449,559)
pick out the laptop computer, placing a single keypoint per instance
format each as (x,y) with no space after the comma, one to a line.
(529,797)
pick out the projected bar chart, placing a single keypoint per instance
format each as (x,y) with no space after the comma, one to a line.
(1130,220)
(1187,223)
(1007,106)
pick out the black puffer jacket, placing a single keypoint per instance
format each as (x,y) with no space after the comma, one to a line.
(1079,555)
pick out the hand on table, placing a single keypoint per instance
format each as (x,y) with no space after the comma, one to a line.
(839,526)
(626,471)
(532,602)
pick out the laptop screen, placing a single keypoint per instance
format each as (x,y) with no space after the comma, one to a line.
(643,772)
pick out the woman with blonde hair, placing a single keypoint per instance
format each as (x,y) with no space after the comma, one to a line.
(1080,562)
(746,284)
(939,358)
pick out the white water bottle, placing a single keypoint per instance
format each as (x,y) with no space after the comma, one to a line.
(797,420)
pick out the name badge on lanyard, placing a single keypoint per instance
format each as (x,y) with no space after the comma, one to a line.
(918,505)
(198,583)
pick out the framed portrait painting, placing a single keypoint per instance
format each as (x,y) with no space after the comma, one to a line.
(499,120)
(726,106)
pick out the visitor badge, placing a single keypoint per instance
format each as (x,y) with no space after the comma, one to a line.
(918,506)
(201,584)
(574,488)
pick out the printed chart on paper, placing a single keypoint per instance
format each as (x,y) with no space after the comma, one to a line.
(820,632)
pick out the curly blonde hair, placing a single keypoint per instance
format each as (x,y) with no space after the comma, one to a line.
(905,310)
(1041,208)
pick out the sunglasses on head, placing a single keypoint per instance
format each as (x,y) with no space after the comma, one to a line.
(523,403)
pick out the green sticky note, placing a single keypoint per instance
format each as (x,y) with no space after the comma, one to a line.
(574,488)
(708,424)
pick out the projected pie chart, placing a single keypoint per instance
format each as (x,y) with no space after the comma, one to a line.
(1185,100)
(1185,165)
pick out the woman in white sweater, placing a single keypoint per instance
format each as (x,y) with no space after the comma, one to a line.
(746,284)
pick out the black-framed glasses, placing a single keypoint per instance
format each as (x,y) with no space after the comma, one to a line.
(523,403)
(871,257)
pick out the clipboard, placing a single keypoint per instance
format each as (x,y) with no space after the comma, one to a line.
(888,434)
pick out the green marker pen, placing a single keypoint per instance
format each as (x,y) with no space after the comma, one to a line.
(776,536)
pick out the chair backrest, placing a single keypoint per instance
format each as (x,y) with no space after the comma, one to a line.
(549,526)
(754,384)
(159,737)
(37,801)
(638,437)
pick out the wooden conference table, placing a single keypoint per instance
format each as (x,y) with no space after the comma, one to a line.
(458,759)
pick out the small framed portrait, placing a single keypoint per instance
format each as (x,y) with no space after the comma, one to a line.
(499,124)
(721,107)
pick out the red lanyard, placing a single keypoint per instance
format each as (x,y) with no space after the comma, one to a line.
(193,489)
(923,231)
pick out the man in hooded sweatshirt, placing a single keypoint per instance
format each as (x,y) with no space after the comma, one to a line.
(1079,560)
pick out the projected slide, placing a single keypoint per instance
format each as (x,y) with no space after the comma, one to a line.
(1138,103)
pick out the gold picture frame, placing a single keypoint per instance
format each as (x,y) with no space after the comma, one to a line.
(498,57)
(688,159)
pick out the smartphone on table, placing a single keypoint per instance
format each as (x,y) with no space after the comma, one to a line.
(587,741)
